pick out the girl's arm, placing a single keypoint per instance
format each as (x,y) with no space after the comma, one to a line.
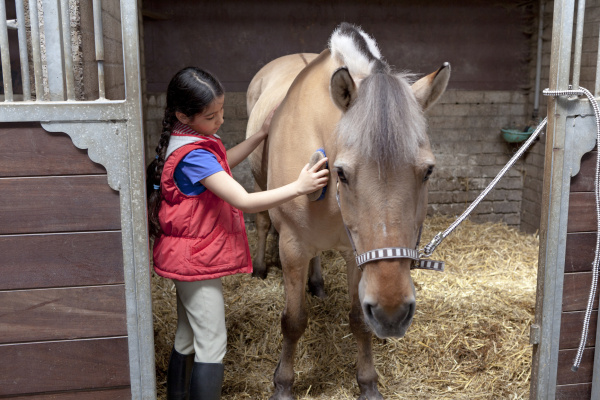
(238,153)
(232,192)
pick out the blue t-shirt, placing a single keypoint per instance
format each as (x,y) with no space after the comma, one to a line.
(195,166)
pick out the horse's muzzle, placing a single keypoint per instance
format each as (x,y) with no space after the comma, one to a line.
(385,323)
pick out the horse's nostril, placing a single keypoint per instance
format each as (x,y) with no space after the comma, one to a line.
(369,310)
(411,305)
(402,315)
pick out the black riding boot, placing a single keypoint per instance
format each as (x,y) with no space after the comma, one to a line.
(178,376)
(207,380)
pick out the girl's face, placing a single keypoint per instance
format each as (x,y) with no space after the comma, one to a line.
(209,121)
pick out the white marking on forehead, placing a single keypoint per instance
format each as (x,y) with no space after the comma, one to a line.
(384,230)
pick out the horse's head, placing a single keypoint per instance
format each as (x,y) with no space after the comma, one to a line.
(383,161)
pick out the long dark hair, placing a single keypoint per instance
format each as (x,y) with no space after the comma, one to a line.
(190,91)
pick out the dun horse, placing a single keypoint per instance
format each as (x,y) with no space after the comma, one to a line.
(369,121)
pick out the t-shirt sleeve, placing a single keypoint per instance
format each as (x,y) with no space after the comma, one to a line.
(199,164)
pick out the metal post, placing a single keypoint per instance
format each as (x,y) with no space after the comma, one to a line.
(538,65)
(5,54)
(67,52)
(553,220)
(578,43)
(36,50)
(597,88)
(99,42)
(23,50)
(139,257)
(54,51)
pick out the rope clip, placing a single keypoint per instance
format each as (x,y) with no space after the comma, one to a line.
(428,250)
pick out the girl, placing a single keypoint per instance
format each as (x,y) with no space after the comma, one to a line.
(194,215)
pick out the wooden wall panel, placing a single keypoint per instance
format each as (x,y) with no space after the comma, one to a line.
(584,180)
(576,291)
(574,392)
(28,150)
(483,40)
(64,366)
(41,261)
(565,361)
(570,329)
(63,317)
(114,394)
(58,204)
(55,314)
(579,254)
(582,212)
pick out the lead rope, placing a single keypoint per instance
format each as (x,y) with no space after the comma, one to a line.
(435,242)
(595,268)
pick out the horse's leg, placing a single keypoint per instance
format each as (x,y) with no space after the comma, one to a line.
(263,223)
(294,263)
(365,375)
(316,285)
(272,248)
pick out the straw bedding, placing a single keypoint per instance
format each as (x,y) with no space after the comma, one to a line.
(469,338)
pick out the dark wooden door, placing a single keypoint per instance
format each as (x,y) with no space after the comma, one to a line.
(63,327)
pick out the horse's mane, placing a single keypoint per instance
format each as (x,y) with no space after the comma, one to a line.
(385,121)
(352,47)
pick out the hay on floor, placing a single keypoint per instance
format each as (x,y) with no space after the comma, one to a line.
(469,338)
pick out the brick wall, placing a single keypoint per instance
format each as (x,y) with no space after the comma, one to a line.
(464,129)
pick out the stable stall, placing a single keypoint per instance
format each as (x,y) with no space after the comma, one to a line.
(75,310)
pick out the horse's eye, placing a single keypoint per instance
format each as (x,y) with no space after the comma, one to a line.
(341,175)
(428,173)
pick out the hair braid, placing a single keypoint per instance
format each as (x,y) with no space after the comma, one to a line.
(154,172)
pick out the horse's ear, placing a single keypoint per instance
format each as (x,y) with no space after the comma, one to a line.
(428,89)
(342,88)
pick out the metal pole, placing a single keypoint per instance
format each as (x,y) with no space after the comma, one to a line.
(597,88)
(36,50)
(141,322)
(99,42)
(67,52)
(5,54)
(552,223)
(538,65)
(23,50)
(578,43)
(53,50)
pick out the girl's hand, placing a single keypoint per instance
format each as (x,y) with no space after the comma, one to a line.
(311,179)
(264,130)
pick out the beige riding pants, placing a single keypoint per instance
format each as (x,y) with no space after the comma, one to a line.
(201,320)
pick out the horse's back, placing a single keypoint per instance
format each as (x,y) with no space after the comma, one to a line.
(266,90)
(276,77)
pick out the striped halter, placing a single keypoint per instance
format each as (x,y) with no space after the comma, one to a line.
(387,253)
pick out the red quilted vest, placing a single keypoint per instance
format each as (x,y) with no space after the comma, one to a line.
(203,237)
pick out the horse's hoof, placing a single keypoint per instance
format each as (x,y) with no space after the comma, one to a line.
(260,271)
(317,290)
(282,395)
(371,395)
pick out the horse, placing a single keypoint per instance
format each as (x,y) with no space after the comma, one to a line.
(369,120)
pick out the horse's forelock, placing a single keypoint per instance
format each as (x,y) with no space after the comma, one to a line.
(385,123)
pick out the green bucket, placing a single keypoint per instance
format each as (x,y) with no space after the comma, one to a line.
(516,135)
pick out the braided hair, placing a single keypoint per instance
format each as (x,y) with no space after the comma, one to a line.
(190,92)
